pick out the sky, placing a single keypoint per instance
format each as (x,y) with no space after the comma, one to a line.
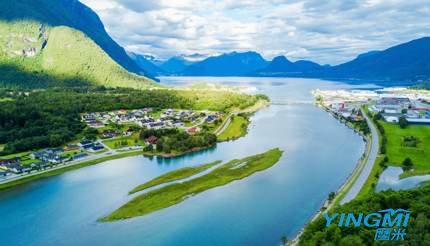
(328,32)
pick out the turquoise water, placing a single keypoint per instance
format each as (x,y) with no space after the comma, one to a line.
(319,155)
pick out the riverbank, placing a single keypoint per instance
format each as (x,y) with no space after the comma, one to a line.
(341,192)
(62,169)
(230,130)
(170,195)
(238,127)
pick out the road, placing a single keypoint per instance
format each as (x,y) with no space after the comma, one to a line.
(223,126)
(358,184)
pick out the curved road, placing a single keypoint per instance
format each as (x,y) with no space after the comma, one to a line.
(358,184)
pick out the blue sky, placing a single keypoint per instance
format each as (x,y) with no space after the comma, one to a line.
(323,31)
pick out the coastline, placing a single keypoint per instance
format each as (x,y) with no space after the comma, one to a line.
(346,185)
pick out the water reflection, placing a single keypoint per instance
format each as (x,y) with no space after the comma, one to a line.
(390,179)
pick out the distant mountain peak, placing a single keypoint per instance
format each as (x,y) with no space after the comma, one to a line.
(280,59)
(227,64)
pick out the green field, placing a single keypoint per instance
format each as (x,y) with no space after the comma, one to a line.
(398,148)
(126,141)
(173,194)
(236,129)
(396,151)
(20,154)
(179,174)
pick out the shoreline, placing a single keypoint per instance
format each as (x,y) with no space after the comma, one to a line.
(250,110)
(20,180)
(346,185)
(23,179)
(169,195)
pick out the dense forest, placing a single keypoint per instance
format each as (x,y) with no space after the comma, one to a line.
(417,233)
(51,117)
(33,119)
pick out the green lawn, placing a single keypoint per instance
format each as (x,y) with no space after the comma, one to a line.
(28,161)
(126,141)
(397,150)
(236,129)
(20,154)
(179,174)
(173,194)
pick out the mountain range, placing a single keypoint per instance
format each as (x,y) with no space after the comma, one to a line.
(45,43)
(281,66)
(230,64)
(405,62)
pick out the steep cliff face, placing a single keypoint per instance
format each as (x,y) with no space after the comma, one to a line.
(15,42)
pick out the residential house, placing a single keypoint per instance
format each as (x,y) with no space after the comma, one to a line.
(79,156)
(71,147)
(128,132)
(193,130)
(151,140)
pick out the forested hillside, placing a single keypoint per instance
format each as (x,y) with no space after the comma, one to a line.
(417,233)
(71,13)
(33,55)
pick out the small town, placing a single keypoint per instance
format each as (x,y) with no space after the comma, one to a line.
(116,132)
(392,103)
(151,119)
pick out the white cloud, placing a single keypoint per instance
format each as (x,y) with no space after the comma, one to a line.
(324,31)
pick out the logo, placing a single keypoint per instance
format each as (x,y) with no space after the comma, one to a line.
(390,224)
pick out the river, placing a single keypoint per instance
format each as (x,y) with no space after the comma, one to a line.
(319,154)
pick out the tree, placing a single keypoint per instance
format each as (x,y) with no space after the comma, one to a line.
(284,240)
(403,123)
(90,133)
(407,163)
(351,241)
(377,116)
(331,196)
(149,148)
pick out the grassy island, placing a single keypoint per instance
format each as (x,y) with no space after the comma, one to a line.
(173,194)
(179,174)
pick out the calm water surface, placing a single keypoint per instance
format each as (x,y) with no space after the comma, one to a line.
(319,155)
(390,179)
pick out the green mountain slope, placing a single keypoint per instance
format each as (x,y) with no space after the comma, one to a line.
(70,52)
(71,13)
(35,55)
